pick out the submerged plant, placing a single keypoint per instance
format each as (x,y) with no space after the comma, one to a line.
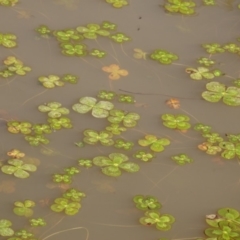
(156,144)
(54,109)
(41,128)
(179,121)
(121,144)
(37,139)
(18,168)
(63,204)
(217,91)
(62,178)
(230,150)
(233,138)
(185,7)
(93,137)
(99,109)
(70,78)
(74,195)
(125,98)
(127,119)
(182,159)
(144,155)
(108,25)
(37,222)
(8,40)
(97,53)
(5,228)
(120,38)
(69,49)
(71,171)
(146,202)
(202,128)
(118,3)
(51,81)
(112,165)
(15,153)
(85,163)
(58,123)
(107,95)
(163,56)
(209,2)
(115,129)
(232,48)
(24,208)
(212,137)
(207,62)
(67,35)
(213,48)
(43,30)
(162,222)
(8,3)
(23,235)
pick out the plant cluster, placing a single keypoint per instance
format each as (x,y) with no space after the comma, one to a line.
(13,66)
(182,159)
(179,121)
(200,73)
(8,40)
(8,3)
(52,81)
(71,40)
(117,3)
(151,206)
(110,95)
(69,203)
(66,177)
(214,143)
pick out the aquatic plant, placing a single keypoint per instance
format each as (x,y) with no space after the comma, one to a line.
(209,148)
(139,54)
(118,3)
(51,81)
(24,208)
(85,163)
(233,138)
(207,62)
(236,82)
(146,202)
(69,78)
(67,35)
(121,144)
(199,73)
(41,128)
(156,144)
(6,73)
(18,168)
(93,137)
(71,171)
(112,165)
(179,121)
(54,109)
(144,155)
(217,91)
(92,30)
(125,98)
(19,69)
(162,222)
(15,153)
(120,38)
(202,128)
(36,140)
(65,205)
(58,123)
(74,195)
(19,127)
(213,48)
(185,7)
(23,234)
(232,48)
(108,95)
(182,159)
(212,137)
(108,25)
(62,178)
(99,109)
(37,222)
(8,3)
(5,228)
(115,71)
(70,49)
(163,56)
(230,150)
(97,53)
(43,30)
(8,39)
(209,2)
(128,119)
(115,128)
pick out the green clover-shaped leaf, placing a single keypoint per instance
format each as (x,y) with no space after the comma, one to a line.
(5,228)
(93,137)
(54,109)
